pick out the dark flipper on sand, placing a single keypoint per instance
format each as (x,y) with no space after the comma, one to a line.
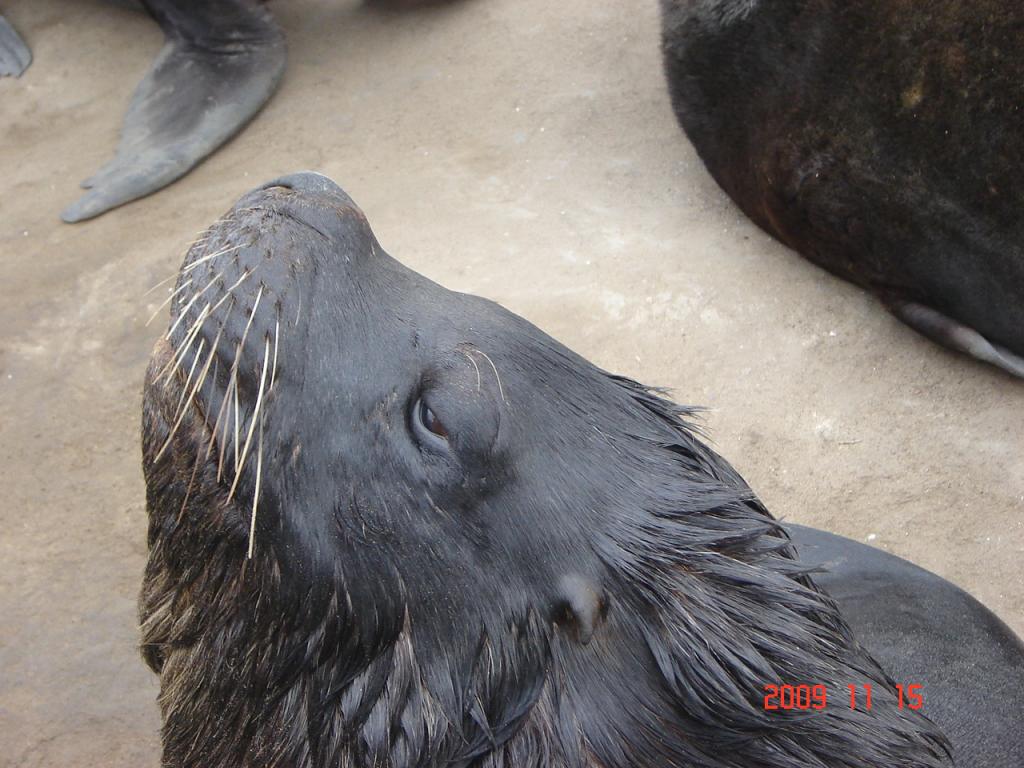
(15,56)
(221,62)
(948,332)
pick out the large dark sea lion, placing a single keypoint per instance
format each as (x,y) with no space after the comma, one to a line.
(394,525)
(882,139)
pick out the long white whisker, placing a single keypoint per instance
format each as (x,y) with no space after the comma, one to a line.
(175,361)
(277,335)
(177,423)
(212,280)
(184,310)
(235,396)
(248,324)
(234,367)
(162,282)
(227,294)
(479,379)
(225,410)
(188,490)
(169,299)
(209,256)
(179,355)
(256,493)
(213,430)
(188,381)
(202,318)
(252,421)
(202,377)
(496,376)
(216,428)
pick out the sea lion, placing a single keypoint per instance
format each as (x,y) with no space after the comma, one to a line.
(221,62)
(880,139)
(923,629)
(394,525)
(15,56)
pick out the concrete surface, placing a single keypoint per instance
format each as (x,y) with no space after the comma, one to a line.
(520,149)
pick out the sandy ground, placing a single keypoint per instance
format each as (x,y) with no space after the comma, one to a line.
(520,149)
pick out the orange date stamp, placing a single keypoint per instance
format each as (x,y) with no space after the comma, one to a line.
(816,696)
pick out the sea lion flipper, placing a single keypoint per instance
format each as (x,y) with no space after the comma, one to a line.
(956,336)
(221,62)
(15,56)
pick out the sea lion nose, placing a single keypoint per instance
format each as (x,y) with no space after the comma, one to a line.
(305,181)
(312,188)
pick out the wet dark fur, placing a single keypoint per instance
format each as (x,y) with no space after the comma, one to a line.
(412,607)
(882,139)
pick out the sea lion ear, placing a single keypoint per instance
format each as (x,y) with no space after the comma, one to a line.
(582,603)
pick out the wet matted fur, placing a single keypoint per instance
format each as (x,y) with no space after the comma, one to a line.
(394,525)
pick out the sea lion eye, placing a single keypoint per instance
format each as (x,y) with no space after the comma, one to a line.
(427,419)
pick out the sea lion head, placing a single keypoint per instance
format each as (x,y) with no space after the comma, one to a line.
(392,524)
